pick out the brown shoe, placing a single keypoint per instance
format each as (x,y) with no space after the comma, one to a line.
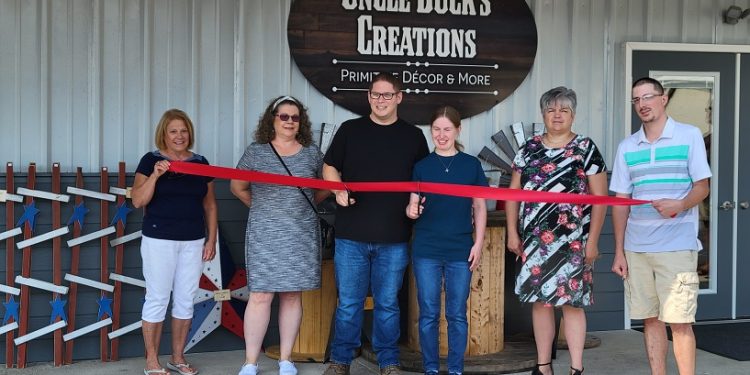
(337,369)
(390,370)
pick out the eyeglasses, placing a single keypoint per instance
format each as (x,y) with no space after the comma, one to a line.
(385,95)
(644,99)
(285,117)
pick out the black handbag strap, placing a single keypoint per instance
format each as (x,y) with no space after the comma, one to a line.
(290,173)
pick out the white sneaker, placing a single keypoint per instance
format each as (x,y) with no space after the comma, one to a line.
(286,368)
(248,369)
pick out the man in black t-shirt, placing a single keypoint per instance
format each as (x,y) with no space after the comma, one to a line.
(372,230)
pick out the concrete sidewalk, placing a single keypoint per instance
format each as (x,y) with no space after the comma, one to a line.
(621,352)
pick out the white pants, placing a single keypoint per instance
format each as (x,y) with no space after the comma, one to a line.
(170,267)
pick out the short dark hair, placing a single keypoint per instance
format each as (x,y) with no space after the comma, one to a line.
(646,80)
(388,77)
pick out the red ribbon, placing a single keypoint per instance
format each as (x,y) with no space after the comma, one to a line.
(468,191)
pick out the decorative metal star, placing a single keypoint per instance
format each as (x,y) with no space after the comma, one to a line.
(122,212)
(78,213)
(29,215)
(11,310)
(58,309)
(105,307)
(209,314)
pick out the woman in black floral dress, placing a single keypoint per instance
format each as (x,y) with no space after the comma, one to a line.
(557,243)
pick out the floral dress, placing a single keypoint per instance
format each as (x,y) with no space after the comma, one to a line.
(554,234)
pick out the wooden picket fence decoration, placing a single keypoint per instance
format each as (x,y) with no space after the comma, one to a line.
(26,272)
(10,260)
(62,325)
(74,260)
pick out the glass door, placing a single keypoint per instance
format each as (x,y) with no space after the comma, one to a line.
(701,89)
(691,99)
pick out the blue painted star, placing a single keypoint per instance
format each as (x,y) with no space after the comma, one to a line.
(11,310)
(58,309)
(78,213)
(29,215)
(105,306)
(122,212)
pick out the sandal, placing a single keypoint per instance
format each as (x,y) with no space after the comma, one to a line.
(156,371)
(182,368)
(536,370)
(575,371)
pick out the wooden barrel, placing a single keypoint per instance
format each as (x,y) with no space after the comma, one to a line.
(485,307)
(318,307)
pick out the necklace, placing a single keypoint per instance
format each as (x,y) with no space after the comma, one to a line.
(447,167)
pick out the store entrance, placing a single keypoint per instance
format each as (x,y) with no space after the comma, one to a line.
(705,89)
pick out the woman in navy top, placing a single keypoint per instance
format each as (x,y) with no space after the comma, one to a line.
(179,234)
(448,239)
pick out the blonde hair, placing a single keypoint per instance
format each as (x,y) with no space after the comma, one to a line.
(161,128)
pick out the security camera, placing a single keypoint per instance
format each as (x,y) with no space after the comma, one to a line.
(734,14)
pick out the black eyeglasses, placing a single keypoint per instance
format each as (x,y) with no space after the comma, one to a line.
(385,95)
(285,117)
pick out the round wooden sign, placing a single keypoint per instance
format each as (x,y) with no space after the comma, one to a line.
(470,54)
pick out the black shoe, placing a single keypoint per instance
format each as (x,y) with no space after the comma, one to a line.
(536,370)
(575,371)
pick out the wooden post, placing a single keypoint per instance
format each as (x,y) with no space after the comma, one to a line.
(10,251)
(23,315)
(119,255)
(75,256)
(103,260)
(487,298)
(57,262)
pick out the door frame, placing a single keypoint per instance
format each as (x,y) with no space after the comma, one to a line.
(629,48)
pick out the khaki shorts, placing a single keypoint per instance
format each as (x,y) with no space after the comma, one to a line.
(663,285)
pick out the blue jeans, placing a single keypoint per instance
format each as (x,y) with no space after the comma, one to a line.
(359,267)
(430,276)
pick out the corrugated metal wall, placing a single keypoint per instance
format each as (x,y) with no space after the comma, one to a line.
(83,82)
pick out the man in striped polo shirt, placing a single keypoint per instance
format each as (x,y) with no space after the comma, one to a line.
(656,244)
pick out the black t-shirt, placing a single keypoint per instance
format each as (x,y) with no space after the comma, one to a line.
(363,151)
(175,211)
